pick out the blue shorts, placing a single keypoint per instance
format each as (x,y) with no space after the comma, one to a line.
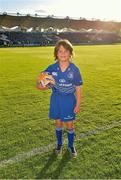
(62,107)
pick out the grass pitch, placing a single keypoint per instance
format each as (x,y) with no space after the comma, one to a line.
(24,123)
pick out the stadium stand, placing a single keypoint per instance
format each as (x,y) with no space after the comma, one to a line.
(18,30)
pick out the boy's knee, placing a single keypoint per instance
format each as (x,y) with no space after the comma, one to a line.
(58,124)
(69,125)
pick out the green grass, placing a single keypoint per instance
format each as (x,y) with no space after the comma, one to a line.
(24,122)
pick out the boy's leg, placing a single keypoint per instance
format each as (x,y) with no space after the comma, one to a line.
(59,126)
(70,133)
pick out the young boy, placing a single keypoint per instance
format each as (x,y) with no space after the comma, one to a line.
(66,93)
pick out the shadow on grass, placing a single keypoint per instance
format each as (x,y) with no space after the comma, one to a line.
(56,173)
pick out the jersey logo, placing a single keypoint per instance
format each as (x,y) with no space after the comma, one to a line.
(62,80)
(70,75)
(54,73)
(69,117)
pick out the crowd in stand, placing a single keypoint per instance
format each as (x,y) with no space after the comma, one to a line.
(44,39)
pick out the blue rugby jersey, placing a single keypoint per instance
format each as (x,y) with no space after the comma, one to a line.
(66,81)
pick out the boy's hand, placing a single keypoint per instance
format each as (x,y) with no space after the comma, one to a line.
(77,109)
(39,86)
(52,81)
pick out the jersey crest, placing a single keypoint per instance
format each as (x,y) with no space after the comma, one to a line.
(70,75)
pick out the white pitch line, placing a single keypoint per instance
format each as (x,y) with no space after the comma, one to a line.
(38,151)
(98,129)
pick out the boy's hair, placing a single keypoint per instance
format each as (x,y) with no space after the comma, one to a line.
(66,44)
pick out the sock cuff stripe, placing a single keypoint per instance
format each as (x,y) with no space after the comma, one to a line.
(59,129)
(70,131)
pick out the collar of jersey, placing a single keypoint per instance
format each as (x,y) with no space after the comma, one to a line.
(60,68)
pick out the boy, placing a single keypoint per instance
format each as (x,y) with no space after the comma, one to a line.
(66,93)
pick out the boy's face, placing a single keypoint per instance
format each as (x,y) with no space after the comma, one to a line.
(63,54)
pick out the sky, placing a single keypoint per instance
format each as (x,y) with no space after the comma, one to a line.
(97,9)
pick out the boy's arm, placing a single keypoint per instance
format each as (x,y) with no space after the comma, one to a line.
(38,84)
(78,99)
(40,87)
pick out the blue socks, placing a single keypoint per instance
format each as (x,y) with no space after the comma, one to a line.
(59,135)
(70,133)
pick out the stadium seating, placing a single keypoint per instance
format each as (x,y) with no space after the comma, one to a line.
(14,31)
(44,39)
